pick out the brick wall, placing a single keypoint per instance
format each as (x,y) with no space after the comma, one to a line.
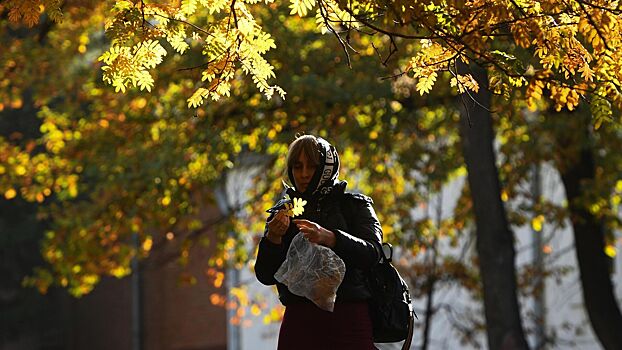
(180,316)
(174,315)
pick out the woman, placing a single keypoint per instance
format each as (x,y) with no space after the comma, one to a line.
(342,221)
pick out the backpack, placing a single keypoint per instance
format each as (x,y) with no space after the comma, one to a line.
(390,306)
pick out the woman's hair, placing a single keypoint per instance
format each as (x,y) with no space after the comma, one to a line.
(307,144)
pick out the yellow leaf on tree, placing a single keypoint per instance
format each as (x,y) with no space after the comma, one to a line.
(90,279)
(255,310)
(147,244)
(10,193)
(504,196)
(120,271)
(586,72)
(610,251)
(425,83)
(301,7)
(20,170)
(537,222)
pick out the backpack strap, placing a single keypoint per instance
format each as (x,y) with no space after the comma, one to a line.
(348,201)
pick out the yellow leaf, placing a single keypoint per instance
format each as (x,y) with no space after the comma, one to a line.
(20,170)
(301,7)
(296,207)
(610,251)
(73,190)
(288,208)
(537,222)
(504,196)
(104,123)
(255,310)
(10,193)
(299,206)
(90,279)
(120,271)
(425,83)
(220,277)
(147,244)
(586,72)
(188,7)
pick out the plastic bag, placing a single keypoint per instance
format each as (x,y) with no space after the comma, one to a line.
(312,271)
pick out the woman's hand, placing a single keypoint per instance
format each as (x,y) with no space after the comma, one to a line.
(277,227)
(315,233)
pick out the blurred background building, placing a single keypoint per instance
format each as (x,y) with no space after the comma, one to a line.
(152,309)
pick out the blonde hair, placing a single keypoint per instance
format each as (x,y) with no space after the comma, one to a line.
(306,144)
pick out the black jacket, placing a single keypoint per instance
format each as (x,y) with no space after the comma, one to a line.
(358,240)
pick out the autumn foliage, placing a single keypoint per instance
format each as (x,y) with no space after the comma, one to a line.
(566,50)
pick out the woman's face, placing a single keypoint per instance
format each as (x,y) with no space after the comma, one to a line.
(303,171)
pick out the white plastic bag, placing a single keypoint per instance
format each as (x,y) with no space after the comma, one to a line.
(312,271)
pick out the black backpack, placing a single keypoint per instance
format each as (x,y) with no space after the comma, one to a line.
(390,305)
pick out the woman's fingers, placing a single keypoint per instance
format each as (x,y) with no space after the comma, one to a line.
(310,230)
(310,236)
(279,215)
(315,233)
(304,229)
(285,219)
(279,223)
(305,223)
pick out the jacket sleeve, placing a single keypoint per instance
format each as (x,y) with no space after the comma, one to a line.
(270,256)
(361,246)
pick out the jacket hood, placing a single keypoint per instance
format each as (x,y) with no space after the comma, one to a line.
(326,174)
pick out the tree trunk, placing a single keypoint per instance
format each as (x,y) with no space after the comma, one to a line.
(495,241)
(429,308)
(589,235)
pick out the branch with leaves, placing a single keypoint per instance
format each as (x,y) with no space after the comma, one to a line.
(575,44)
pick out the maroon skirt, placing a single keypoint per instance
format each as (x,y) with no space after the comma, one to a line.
(305,326)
